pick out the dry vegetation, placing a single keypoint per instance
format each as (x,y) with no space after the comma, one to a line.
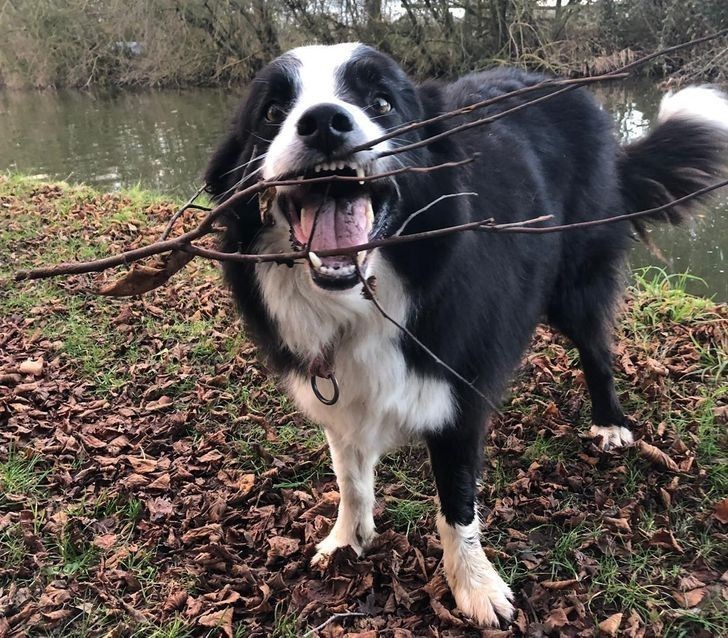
(84,43)
(154,483)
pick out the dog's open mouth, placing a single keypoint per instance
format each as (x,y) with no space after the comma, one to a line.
(335,214)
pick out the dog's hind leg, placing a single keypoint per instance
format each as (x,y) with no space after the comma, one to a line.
(478,589)
(586,316)
(354,469)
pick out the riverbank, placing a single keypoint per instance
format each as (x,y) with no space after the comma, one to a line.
(154,483)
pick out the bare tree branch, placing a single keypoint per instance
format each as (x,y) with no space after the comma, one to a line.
(569,85)
(369,294)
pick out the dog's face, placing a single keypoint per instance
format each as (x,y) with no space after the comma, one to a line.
(304,114)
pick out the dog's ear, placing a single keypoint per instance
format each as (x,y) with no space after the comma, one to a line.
(431,98)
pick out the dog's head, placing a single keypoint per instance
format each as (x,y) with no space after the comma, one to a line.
(303,116)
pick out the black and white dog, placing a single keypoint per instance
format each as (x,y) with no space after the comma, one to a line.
(473,298)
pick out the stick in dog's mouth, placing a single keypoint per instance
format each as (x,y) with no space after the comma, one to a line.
(331,215)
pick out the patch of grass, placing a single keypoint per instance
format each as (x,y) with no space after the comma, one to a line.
(499,477)
(77,556)
(562,558)
(627,583)
(285,624)
(141,565)
(90,343)
(407,514)
(12,547)
(711,620)
(20,474)
(93,620)
(662,297)
(175,627)
(252,442)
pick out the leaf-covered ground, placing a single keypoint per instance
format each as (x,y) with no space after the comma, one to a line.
(154,483)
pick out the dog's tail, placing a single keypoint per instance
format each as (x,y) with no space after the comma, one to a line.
(685,151)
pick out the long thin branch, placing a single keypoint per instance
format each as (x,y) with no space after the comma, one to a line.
(206,225)
(185,244)
(569,84)
(475,106)
(483,225)
(369,294)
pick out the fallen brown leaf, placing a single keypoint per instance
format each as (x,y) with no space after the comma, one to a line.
(610,626)
(32,366)
(656,456)
(141,279)
(689,599)
(720,511)
(222,620)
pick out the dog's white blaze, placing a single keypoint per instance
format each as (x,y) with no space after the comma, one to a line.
(696,103)
(611,436)
(478,589)
(318,83)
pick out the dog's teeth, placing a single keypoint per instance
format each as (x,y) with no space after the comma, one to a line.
(370,215)
(315,260)
(360,173)
(317,168)
(300,177)
(361,256)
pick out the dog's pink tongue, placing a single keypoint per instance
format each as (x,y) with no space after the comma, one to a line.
(339,223)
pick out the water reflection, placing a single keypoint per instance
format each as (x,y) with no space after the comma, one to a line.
(161,140)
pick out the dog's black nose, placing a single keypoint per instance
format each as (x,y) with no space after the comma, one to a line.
(325,127)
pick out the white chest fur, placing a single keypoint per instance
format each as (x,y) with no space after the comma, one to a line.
(382,403)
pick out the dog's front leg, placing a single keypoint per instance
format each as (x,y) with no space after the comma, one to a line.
(354,469)
(478,589)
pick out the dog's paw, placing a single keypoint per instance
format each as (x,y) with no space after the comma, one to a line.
(329,545)
(487,600)
(610,437)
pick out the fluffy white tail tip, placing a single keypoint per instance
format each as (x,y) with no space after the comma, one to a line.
(703,103)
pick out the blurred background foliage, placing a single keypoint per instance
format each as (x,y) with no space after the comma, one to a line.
(84,43)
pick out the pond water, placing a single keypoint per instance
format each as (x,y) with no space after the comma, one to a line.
(161,140)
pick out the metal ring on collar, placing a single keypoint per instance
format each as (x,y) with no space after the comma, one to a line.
(321,397)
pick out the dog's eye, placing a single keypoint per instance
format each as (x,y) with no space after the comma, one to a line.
(275,113)
(381,105)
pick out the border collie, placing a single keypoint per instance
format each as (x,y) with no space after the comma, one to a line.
(473,298)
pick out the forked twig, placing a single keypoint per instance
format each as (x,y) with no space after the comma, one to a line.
(181,211)
(184,242)
(311,633)
(369,294)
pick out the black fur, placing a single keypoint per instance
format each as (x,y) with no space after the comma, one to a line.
(477,297)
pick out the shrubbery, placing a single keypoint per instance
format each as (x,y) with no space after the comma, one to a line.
(82,43)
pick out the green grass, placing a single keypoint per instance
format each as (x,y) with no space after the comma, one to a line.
(628,584)
(12,547)
(407,514)
(285,624)
(21,474)
(661,296)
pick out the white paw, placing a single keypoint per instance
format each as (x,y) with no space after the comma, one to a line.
(487,600)
(611,436)
(334,540)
